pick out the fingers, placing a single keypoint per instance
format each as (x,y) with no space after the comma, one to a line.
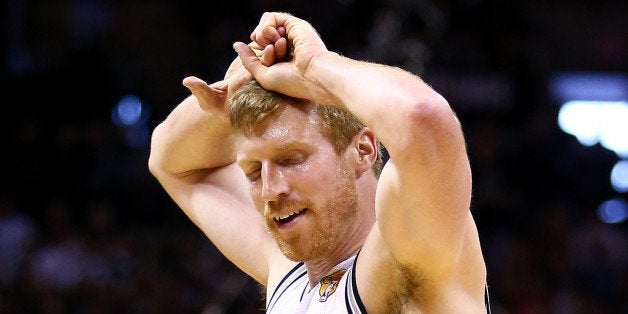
(266,30)
(268,55)
(271,53)
(282,31)
(263,21)
(194,83)
(270,32)
(281,49)
(210,97)
(265,35)
(249,58)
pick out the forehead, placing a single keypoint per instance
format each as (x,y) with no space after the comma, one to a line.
(290,126)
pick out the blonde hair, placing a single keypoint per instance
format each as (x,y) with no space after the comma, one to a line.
(251,104)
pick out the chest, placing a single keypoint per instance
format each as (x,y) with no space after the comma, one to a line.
(335,293)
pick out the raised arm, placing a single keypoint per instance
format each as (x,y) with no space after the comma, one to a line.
(192,156)
(424,193)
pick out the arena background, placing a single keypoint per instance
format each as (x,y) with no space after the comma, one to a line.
(84,228)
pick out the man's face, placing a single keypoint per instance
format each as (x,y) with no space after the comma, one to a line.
(304,189)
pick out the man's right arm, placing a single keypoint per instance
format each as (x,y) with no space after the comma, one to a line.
(192,156)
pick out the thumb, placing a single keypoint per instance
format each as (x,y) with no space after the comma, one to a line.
(249,59)
(210,97)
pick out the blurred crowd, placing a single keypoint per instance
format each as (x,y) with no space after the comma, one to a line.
(84,228)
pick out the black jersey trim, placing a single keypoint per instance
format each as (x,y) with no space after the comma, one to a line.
(354,286)
(271,304)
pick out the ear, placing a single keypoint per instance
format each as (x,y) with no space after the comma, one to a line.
(365,145)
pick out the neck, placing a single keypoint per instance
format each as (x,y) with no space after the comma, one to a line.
(349,246)
(317,269)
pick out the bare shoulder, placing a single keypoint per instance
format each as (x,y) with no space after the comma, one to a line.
(387,286)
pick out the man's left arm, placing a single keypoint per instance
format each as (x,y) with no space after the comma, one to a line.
(424,192)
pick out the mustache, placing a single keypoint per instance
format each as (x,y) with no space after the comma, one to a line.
(285,205)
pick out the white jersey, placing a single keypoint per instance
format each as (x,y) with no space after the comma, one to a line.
(335,293)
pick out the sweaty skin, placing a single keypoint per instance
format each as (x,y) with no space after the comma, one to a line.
(418,245)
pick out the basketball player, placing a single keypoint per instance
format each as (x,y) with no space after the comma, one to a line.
(278,164)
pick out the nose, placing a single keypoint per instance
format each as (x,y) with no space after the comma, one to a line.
(274,185)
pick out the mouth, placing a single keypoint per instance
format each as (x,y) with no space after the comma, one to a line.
(284,219)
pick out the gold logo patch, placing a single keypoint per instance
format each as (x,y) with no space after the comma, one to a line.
(329,285)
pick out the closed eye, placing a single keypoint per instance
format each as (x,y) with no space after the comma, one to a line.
(292,160)
(253,174)
(251,169)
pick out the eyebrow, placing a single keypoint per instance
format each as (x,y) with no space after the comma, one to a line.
(290,145)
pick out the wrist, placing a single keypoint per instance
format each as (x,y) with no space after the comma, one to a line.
(321,73)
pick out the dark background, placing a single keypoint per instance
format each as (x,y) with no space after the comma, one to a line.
(84,228)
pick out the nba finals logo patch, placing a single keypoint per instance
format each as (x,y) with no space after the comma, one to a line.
(329,285)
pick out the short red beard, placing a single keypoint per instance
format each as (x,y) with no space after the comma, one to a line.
(332,222)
